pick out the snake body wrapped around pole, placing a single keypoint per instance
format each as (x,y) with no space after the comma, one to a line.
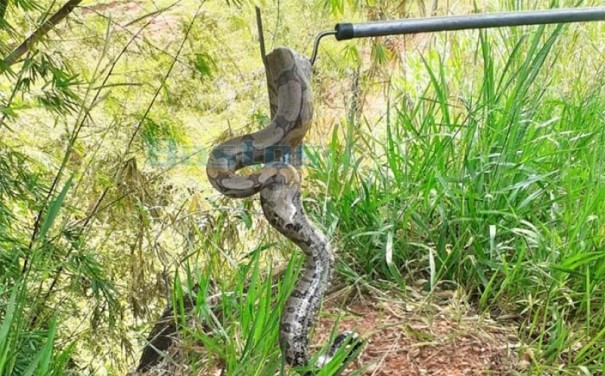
(277,146)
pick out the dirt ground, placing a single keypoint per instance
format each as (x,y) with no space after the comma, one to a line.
(418,337)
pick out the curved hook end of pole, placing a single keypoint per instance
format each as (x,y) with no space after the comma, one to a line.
(316,43)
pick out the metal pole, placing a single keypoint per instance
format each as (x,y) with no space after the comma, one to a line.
(476,21)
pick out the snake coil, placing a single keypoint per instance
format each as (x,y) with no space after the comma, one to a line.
(278,182)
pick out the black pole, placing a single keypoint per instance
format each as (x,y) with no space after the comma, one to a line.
(476,21)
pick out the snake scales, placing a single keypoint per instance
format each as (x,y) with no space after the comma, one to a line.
(278,182)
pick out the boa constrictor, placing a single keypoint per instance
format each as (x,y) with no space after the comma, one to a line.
(289,81)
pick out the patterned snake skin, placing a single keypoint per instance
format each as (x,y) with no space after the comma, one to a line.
(278,182)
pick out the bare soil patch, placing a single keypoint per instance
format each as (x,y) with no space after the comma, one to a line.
(419,338)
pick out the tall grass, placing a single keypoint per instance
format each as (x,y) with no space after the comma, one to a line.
(235,326)
(24,351)
(27,347)
(499,191)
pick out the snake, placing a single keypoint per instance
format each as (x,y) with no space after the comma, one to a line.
(278,182)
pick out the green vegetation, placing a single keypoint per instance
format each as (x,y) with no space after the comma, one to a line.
(469,162)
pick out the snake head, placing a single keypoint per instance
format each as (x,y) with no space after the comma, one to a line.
(279,206)
(280,198)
